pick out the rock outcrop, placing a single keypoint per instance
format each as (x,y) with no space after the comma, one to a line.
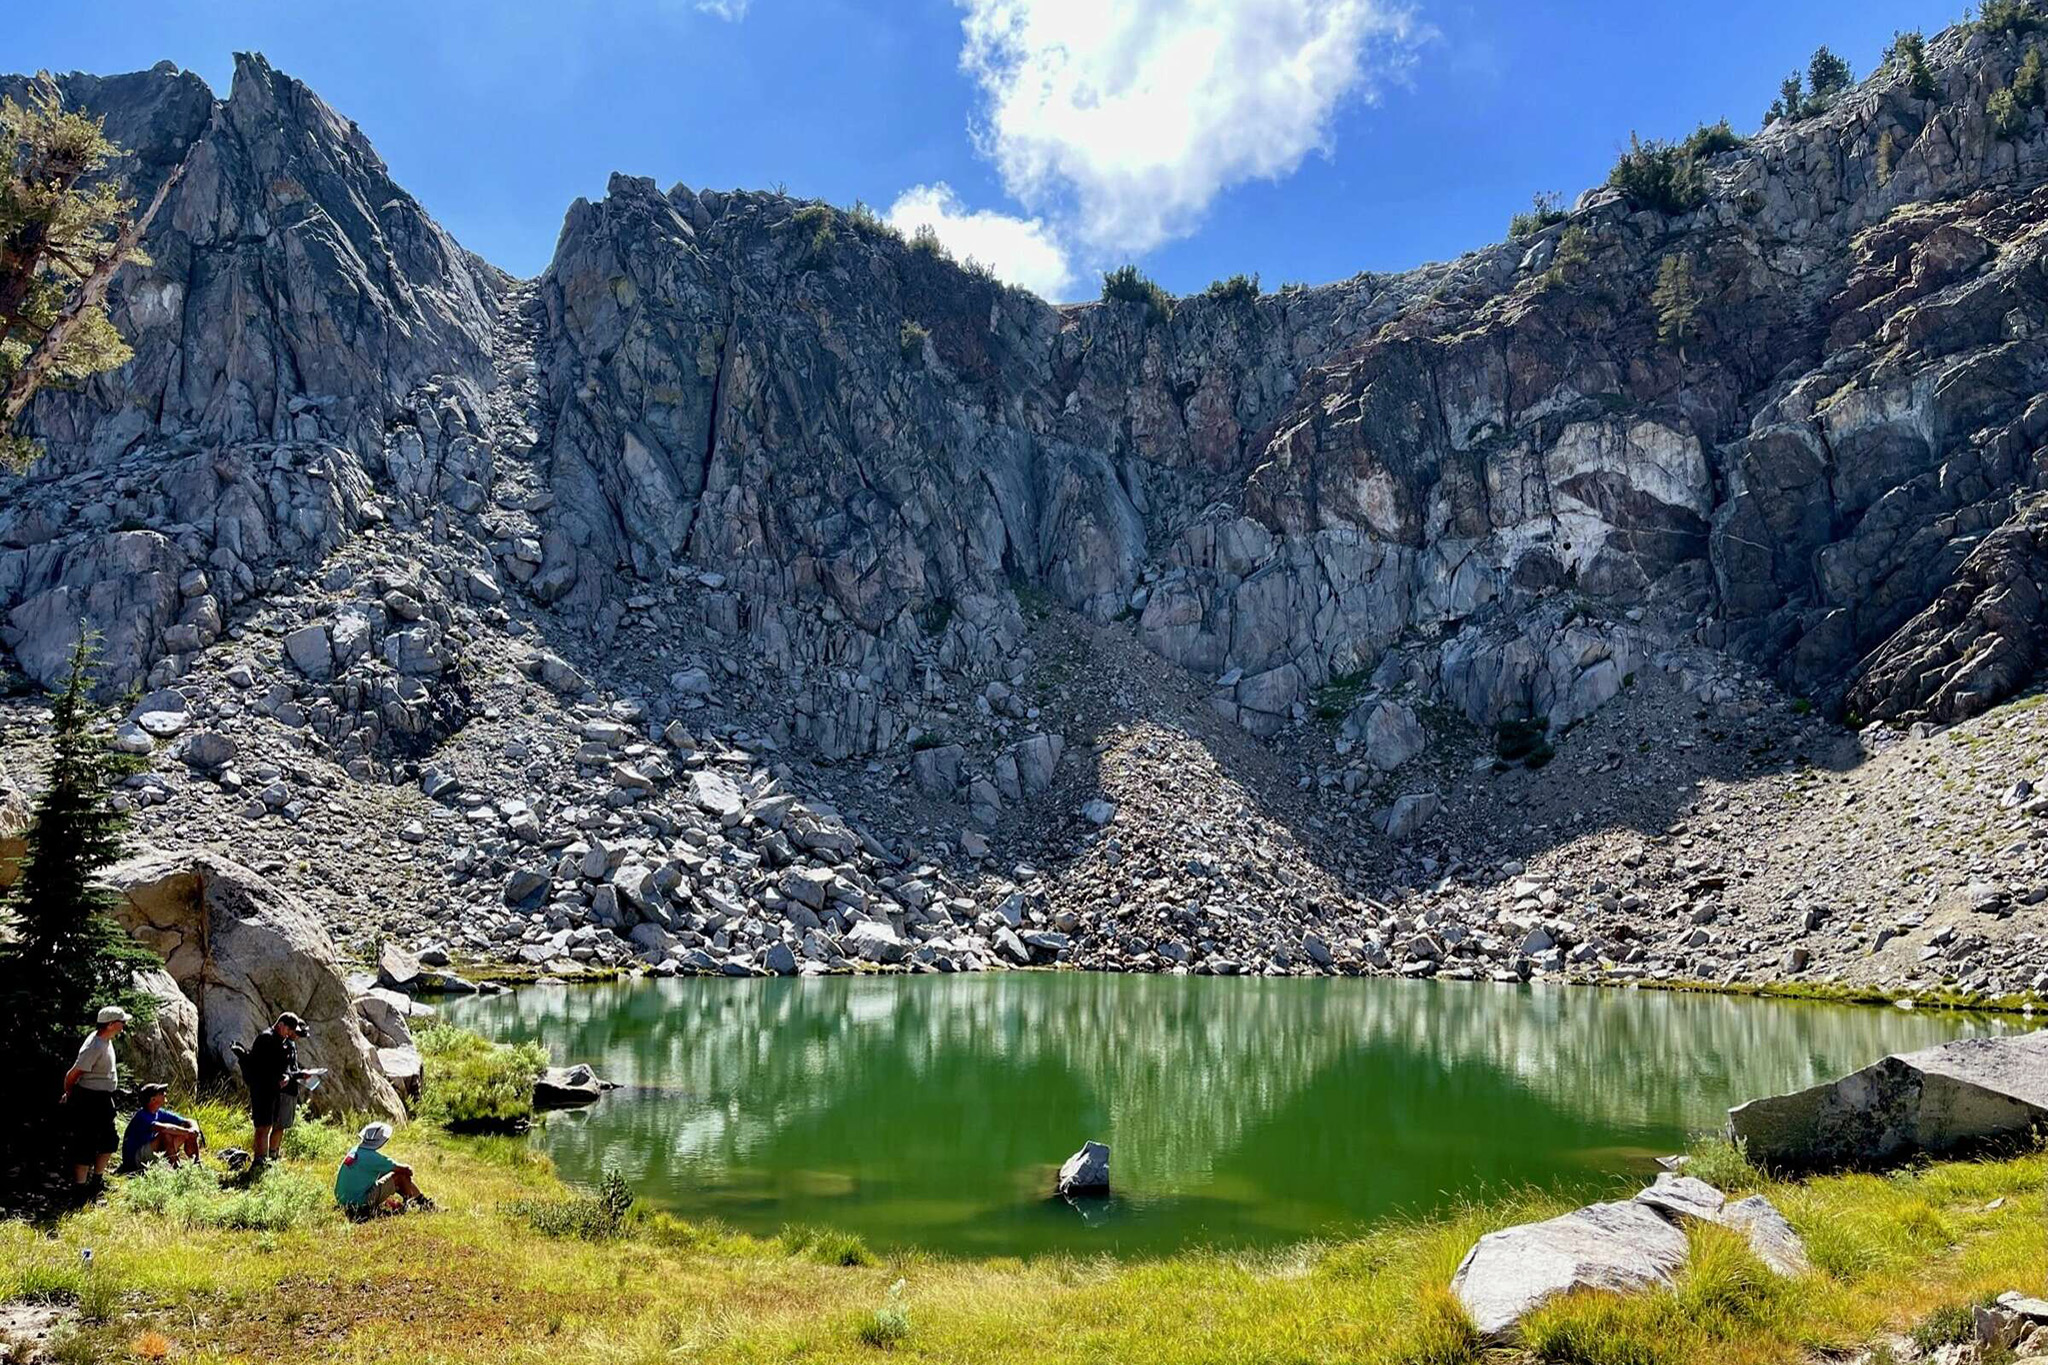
(241,953)
(1943,1099)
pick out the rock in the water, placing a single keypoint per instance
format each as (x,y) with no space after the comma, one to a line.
(566,1087)
(1086,1171)
(1620,1246)
(1941,1099)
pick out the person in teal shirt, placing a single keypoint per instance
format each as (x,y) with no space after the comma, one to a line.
(369,1180)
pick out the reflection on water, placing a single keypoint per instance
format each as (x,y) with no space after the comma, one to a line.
(931,1111)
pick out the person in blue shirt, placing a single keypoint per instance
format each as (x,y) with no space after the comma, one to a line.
(156,1131)
(368,1179)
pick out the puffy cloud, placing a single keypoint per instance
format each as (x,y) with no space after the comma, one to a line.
(1023,251)
(1124,121)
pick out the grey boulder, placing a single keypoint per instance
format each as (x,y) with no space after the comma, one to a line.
(566,1087)
(244,951)
(1623,1246)
(1086,1172)
(1940,1099)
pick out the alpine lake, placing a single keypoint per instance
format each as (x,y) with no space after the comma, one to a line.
(932,1112)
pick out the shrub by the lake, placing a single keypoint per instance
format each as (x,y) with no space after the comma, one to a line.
(599,1217)
(888,1324)
(826,1246)
(192,1196)
(473,1084)
(1723,1164)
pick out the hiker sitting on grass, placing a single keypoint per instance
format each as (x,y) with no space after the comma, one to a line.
(156,1131)
(89,1088)
(369,1180)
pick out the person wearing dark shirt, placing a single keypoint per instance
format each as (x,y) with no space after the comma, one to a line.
(271,1069)
(155,1130)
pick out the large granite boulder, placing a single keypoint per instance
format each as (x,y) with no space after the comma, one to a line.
(1624,1246)
(1942,1099)
(242,951)
(167,1047)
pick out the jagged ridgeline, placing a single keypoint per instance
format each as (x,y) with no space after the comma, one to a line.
(1828,467)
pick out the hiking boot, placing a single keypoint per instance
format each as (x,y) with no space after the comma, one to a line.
(426,1205)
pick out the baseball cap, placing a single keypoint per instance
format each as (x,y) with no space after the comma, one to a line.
(114,1014)
(153,1088)
(292,1021)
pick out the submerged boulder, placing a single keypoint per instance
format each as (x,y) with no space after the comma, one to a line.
(1619,1246)
(1937,1100)
(1086,1171)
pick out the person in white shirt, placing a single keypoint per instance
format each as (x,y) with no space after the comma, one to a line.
(88,1096)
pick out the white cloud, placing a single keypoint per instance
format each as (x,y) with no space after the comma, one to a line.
(732,11)
(1124,121)
(1023,251)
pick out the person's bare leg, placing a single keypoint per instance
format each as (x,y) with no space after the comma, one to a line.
(99,1164)
(259,1146)
(80,1174)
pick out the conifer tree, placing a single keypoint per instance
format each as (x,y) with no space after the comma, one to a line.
(62,954)
(64,231)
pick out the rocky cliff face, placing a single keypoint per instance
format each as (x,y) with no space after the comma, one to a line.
(763,478)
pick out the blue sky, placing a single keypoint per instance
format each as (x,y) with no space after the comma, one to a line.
(1301,139)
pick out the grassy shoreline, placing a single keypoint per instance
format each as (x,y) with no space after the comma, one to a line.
(184,1272)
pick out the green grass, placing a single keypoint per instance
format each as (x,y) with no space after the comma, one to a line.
(222,1281)
(473,1083)
(193,1196)
(826,1246)
(1337,698)
(1723,1164)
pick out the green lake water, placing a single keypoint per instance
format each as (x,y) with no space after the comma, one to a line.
(932,1111)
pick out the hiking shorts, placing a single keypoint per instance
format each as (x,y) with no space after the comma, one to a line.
(92,1125)
(273,1109)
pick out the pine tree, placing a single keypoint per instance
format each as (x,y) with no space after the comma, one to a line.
(65,956)
(1791,102)
(63,234)
(1827,76)
(1676,304)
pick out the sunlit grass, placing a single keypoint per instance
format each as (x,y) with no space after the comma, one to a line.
(475,1281)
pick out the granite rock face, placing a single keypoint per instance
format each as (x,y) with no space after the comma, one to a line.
(859,467)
